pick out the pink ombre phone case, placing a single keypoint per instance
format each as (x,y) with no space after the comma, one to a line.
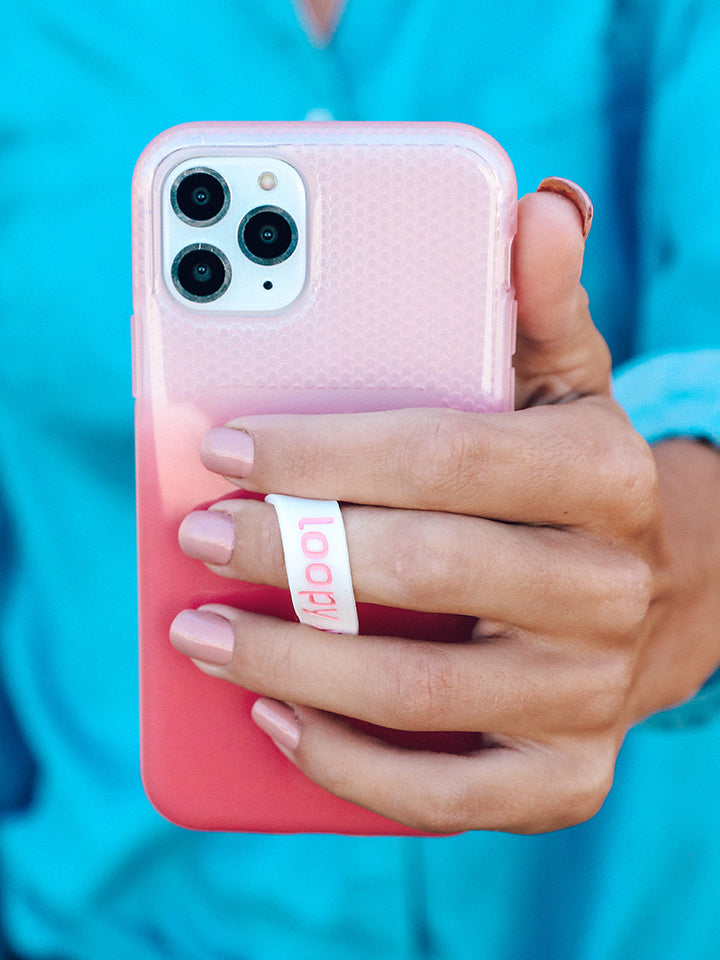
(407,302)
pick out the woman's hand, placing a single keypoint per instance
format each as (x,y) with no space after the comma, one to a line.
(555,526)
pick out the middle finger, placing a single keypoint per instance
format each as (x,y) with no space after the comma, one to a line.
(444,563)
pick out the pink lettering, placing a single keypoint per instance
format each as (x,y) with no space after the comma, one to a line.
(306,520)
(328,614)
(318,598)
(324,575)
(308,542)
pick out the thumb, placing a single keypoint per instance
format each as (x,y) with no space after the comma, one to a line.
(560,353)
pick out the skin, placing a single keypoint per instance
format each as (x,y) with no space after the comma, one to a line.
(324,12)
(591,562)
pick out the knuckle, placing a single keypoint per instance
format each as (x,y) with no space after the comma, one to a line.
(410,565)
(265,547)
(267,667)
(581,782)
(302,458)
(429,562)
(626,595)
(639,586)
(419,690)
(587,786)
(602,698)
(257,554)
(621,473)
(634,483)
(337,777)
(442,454)
(447,805)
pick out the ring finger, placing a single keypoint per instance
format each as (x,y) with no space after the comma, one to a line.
(518,686)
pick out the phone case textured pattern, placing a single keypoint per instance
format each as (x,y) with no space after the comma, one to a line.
(407,303)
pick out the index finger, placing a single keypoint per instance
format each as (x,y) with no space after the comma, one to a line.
(551,465)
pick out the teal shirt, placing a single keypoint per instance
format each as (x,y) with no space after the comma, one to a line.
(620,96)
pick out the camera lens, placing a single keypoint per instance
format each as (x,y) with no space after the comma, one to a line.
(201,273)
(200,196)
(267,235)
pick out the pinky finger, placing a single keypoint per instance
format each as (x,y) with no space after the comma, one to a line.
(519,788)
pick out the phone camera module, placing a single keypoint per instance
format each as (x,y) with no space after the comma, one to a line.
(267,235)
(200,197)
(201,273)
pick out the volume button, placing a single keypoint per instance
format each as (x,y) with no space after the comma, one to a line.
(507,266)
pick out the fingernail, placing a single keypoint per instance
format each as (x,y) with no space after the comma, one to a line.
(278,721)
(203,636)
(571,191)
(208,535)
(227,451)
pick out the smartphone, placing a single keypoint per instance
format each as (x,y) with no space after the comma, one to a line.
(294,267)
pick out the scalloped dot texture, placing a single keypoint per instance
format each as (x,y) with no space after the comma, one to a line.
(403,279)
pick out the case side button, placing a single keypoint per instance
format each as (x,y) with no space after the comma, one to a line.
(513,327)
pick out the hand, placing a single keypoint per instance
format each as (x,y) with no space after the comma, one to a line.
(554,526)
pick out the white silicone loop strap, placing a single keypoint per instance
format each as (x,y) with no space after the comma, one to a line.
(317,562)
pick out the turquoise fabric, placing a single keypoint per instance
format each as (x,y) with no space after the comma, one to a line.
(619,95)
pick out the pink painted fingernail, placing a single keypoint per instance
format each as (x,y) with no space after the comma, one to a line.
(228,451)
(208,535)
(278,721)
(203,635)
(571,191)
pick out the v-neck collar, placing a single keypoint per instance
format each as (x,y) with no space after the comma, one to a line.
(320,31)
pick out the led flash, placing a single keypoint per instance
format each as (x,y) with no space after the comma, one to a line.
(267,181)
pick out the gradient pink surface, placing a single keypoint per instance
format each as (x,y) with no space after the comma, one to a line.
(408,302)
